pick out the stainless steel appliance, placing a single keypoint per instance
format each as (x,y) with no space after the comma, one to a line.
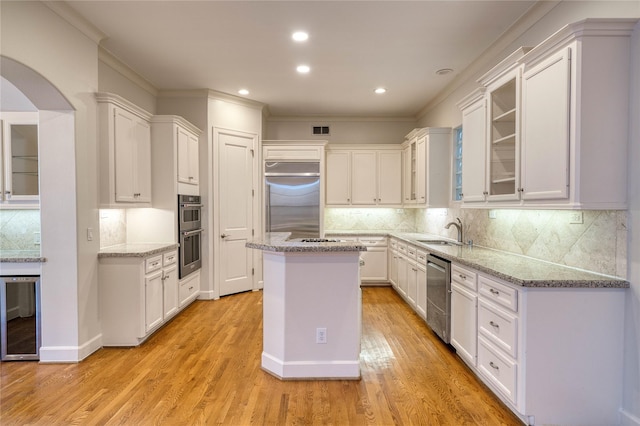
(189,234)
(439,296)
(292,198)
(20,318)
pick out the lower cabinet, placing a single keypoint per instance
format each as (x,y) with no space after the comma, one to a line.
(189,288)
(375,259)
(551,354)
(138,295)
(464,320)
(421,284)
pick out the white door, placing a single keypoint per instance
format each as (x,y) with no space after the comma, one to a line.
(235,209)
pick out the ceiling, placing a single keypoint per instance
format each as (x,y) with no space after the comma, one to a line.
(353,48)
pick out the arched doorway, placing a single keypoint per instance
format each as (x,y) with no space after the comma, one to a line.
(58,215)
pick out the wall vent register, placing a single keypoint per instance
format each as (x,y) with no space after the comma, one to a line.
(320,130)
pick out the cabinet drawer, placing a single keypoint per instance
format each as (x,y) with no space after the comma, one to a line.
(498,369)
(464,277)
(498,293)
(169,258)
(411,252)
(394,244)
(402,249)
(498,326)
(421,257)
(189,288)
(373,241)
(153,263)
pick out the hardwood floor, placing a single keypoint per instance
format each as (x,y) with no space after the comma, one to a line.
(204,368)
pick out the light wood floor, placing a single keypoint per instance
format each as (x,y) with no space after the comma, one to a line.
(204,368)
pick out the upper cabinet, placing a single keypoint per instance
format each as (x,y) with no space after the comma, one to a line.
(556,127)
(125,152)
(19,183)
(427,167)
(175,159)
(364,175)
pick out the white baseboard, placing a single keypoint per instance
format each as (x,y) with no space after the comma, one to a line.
(70,354)
(206,295)
(628,419)
(299,370)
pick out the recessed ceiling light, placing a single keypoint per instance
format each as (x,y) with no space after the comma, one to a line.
(444,71)
(380,90)
(300,36)
(303,69)
(243,91)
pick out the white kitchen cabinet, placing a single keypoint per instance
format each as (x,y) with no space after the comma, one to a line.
(427,167)
(137,296)
(464,301)
(474,131)
(189,289)
(421,284)
(412,276)
(393,262)
(575,97)
(531,339)
(556,122)
(375,259)
(19,158)
(125,152)
(293,150)
(338,178)
(364,176)
(402,270)
(175,159)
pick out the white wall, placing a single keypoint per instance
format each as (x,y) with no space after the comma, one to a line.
(343,130)
(33,35)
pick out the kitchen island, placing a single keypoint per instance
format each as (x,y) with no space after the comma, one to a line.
(311,308)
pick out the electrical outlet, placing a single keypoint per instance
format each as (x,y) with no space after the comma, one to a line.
(492,214)
(321,335)
(36,238)
(576,218)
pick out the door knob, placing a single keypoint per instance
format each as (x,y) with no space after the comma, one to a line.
(223,236)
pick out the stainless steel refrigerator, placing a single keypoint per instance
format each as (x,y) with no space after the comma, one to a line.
(292,198)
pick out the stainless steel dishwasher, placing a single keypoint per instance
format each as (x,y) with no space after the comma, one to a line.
(439,296)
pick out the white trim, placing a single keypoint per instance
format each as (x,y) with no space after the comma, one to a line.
(310,369)
(79,22)
(62,354)
(116,64)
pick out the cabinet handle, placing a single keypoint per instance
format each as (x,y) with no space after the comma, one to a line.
(191,288)
(223,236)
(493,324)
(464,277)
(496,292)
(495,367)
(461,195)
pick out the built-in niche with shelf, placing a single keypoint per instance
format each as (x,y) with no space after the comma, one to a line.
(502,164)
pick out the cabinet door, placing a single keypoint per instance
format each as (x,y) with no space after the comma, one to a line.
(474,125)
(402,275)
(412,282)
(503,165)
(464,322)
(393,268)
(338,178)
(545,128)
(153,299)
(390,177)
(142,169)
(188,167)
(19,131)
(170,289)
(375,264)
(125,158)
(363,178)
(421,292)
(421,170)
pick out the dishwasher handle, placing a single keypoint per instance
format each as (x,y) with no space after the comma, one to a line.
(436,266)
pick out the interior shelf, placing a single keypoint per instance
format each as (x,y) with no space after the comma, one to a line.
(508,116)
(506,139)
(504,180)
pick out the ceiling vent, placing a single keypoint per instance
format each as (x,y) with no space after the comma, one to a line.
(320,130)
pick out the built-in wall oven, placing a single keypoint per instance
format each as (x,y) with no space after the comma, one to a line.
(189,234)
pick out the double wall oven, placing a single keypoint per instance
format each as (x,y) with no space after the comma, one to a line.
(189,234)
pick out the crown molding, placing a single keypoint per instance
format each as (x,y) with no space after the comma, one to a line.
(327,118)
(485,59)
(66,12)
(108,58)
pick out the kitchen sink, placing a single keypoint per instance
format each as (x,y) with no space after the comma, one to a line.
(440,242)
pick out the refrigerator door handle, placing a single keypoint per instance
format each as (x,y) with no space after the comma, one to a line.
(267,197)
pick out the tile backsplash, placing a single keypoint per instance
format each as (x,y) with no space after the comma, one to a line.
(113,227)
(19,230)
(598,244)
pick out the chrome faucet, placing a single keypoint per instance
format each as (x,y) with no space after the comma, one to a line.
(458,225)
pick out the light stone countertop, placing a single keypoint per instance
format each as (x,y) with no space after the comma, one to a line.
(21,256)
(135,250)
(516,269)
(277,242)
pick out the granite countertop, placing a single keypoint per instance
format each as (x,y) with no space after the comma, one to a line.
(278,242)
(135,250)
(21,256)
(516,269)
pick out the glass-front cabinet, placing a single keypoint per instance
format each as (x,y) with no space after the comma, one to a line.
(503,167)
(20,176)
